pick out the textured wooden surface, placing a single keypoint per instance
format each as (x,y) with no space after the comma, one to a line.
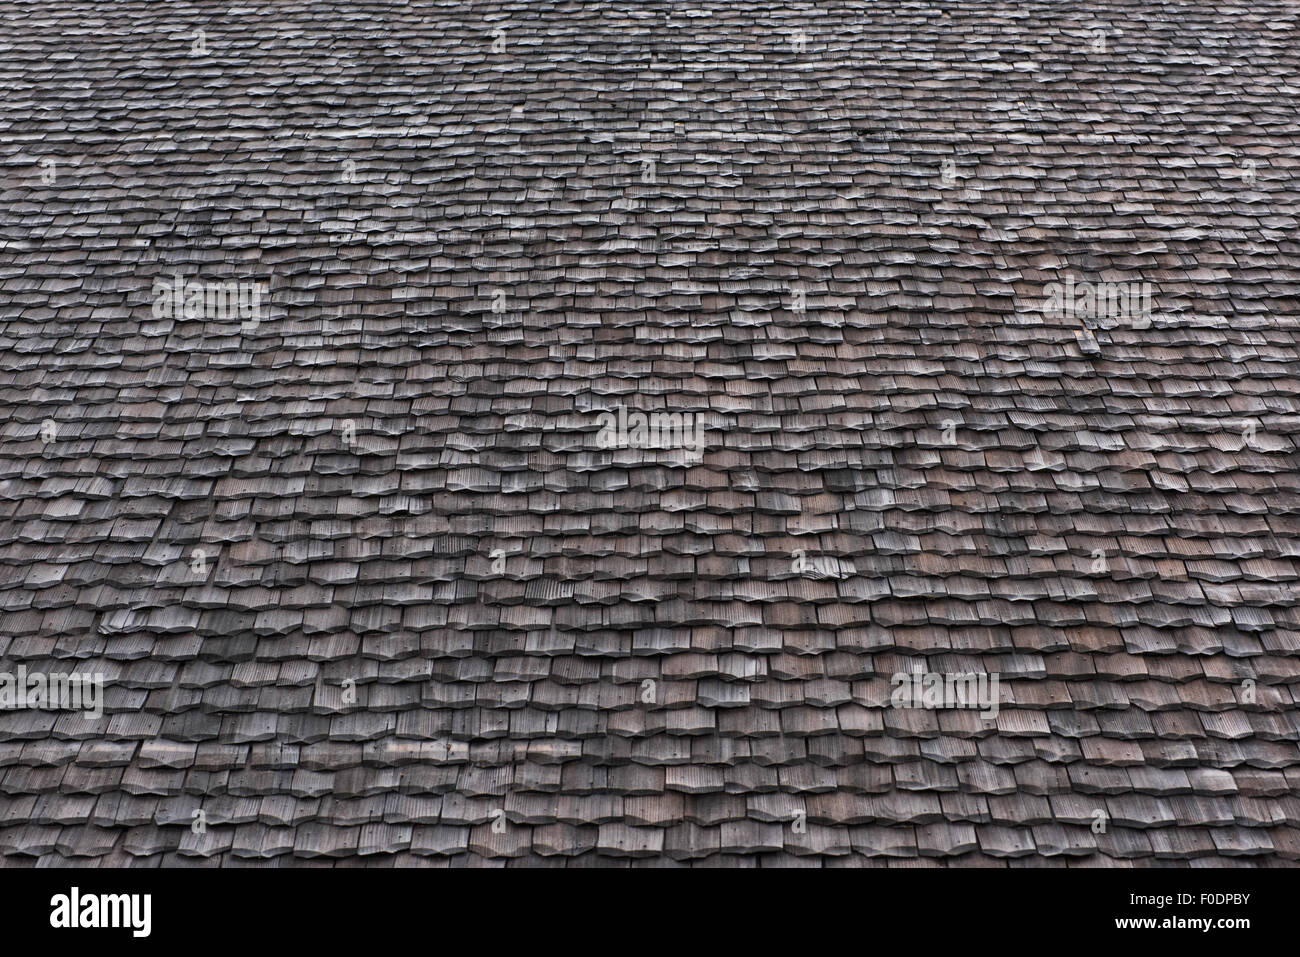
(678,663)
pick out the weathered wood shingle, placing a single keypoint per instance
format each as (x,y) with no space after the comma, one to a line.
(365,586)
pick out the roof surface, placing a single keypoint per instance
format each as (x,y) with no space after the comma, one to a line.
(363,584)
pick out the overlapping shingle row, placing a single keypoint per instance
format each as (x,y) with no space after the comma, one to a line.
(363,584)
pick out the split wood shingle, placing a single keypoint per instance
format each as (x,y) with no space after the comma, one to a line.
(362,582)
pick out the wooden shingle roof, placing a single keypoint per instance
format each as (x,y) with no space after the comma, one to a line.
(362,578)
